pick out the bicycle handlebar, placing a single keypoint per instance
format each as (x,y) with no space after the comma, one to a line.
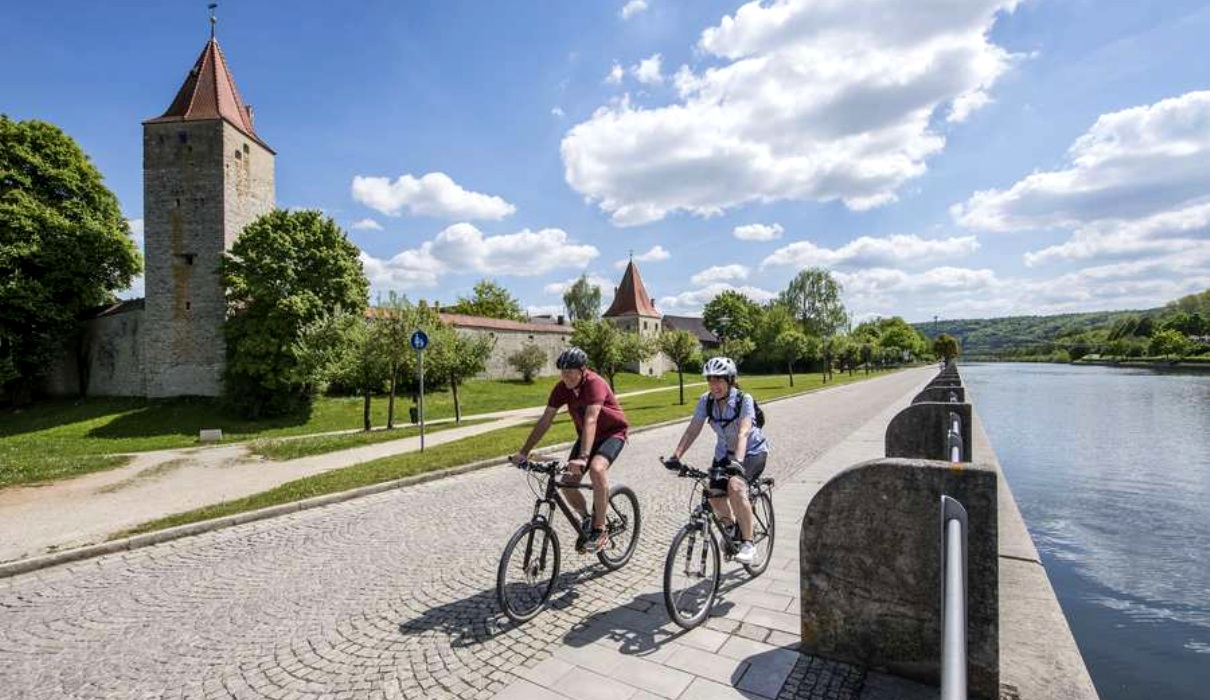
(533,465)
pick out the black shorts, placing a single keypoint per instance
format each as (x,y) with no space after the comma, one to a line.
(754,466)
(609,448)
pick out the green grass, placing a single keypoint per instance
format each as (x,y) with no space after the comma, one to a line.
(64,438)
(641,410)
(279,449)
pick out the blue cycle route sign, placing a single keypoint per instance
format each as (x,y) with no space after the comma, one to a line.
(420,340)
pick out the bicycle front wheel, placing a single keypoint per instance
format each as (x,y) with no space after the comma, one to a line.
(622,521)
(762,534)
(528,570)
(691,575)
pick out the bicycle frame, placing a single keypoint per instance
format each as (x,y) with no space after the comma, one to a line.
(554,497)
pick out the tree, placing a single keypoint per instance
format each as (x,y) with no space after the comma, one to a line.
(287,269)
(395,320)
(608,348)
(341,347)
(738,349)
(64,248)
(1170,343)
(529,360)
(731,315)
(490,300)
(583,300)
(814,298)
(682,347)
(790,346)
(458,357)
(946,347)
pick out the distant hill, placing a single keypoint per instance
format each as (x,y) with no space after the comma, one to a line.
(982,337)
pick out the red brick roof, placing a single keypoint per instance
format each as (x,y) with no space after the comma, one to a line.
(209,93)
(631,297)
(482,322)
(499,324)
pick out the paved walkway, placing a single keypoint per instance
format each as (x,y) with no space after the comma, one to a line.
(392,595)
(35,520)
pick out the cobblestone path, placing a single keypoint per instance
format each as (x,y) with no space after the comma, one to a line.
(386,596)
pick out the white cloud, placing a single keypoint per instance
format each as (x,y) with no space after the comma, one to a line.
(647,71)
(758,232)
(656,254)
(434,194)
(615,75)
(545,310)
(720,273)
(366,224)
(559,288)
(867,251)
(136,232)
(809,101)
(1135,195)
(633,8)
(691,303)
(462,248)
(556,111)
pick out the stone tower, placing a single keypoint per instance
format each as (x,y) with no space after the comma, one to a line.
(206,175)
(632,310)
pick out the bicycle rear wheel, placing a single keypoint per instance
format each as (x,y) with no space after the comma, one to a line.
(622,520)
(762,534)
(691,575)
(528,570)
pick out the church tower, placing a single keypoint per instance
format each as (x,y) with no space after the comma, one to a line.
(206,175)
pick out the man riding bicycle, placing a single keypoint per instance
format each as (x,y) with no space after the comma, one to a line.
(600,436)
(732,415)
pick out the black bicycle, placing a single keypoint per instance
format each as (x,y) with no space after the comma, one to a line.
(693,568)
(529,566)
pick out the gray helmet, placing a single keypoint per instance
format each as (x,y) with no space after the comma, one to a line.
(720,367)
(572,358)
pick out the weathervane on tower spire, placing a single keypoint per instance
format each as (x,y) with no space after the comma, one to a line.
(211,7)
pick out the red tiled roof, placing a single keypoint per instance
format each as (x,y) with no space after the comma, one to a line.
(631,297)
(499,324)
(494,324)
(209,93)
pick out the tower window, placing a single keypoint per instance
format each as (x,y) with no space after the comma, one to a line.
(188,304)
(178,202)
(245,148)
(186,258)
(239,155)
(183,136)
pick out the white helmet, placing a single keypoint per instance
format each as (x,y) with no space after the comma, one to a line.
(720,367)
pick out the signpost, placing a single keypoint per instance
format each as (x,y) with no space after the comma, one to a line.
(420,341)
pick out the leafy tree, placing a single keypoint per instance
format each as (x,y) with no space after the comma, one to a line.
(738,349)
(946,347)
(583,300)
(395,320)
(682,347)
(64,248)
(287,269)
(791,346)
(608,348)
(490,300)
(731,315)
(1169,343)
(341,348)
(529,360)
(458,357)
(814,298)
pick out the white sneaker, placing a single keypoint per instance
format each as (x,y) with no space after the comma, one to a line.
(746,553)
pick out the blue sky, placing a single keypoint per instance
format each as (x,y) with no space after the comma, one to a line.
(955,158)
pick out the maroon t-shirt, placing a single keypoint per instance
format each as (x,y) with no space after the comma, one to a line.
(611,422)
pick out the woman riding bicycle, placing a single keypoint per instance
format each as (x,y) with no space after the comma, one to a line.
(732,415)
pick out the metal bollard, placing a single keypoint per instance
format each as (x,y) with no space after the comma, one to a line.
(954,438)
(953,600)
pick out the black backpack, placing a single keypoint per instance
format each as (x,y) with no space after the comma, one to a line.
(739,404)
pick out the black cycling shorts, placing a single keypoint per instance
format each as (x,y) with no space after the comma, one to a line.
(609,448)
(754,465)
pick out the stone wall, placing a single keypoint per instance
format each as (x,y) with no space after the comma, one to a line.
(508,342)
(111,349)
